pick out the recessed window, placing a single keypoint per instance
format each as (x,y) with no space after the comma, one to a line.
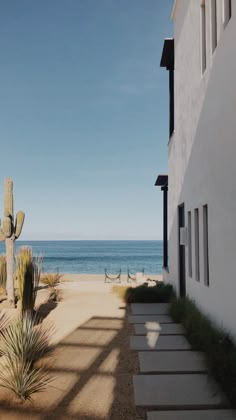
(196,234)
(213,24)
(203,35)
(190,270)
(227,5)
(205,245)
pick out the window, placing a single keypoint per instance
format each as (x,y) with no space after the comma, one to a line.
(197,265)
(227,12)
(205,245)
(189,245)
(203,35)
(213,25)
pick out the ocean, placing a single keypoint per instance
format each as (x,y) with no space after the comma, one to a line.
(92,257)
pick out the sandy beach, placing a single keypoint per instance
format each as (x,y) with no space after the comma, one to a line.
(101,277)
(91,365)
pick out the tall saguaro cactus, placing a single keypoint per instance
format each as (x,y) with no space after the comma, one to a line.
(10,230)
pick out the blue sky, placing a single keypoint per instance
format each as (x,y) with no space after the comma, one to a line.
(84,115)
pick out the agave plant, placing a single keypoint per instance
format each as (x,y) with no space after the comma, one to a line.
(23,340)
(19,377)
(3,271)
(27,274)
(22,343)
(4,321)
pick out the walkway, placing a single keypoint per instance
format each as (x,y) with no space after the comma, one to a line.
(173,383)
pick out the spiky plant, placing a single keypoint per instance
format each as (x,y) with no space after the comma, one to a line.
(19,377)
(51,279)
(10,230)
(27,275)
(23,340)
(4,321)
(3,271)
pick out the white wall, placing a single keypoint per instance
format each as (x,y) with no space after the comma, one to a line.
(202,156)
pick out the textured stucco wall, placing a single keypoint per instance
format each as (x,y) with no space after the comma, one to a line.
(202,155)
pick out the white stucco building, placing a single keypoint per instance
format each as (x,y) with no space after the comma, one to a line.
(200,260)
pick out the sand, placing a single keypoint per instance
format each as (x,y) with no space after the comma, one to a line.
(92,365)
(101,277)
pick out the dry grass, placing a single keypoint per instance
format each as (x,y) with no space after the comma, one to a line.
(120,291)
(51,279)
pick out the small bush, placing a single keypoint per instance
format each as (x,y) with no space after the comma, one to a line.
(218,346)
(51,279)
(55,295)
(159,293)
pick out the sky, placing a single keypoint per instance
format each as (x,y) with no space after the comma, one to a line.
(84,116)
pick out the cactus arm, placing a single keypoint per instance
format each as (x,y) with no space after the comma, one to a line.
(20,217)
(8,198)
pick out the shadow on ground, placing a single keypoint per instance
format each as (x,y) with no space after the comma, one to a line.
(92,370)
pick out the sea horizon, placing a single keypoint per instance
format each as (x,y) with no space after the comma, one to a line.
(88,256)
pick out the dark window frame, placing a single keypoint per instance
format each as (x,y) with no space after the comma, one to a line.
(205,245)
(197,245)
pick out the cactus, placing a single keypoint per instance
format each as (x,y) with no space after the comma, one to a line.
(28,269)
(10,230)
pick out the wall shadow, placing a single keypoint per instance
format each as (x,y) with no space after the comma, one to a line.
(93,369)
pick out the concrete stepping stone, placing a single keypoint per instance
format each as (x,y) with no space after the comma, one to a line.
(186,391)
(163,329)
(192,415)
(150,308)
(171,362)
(142,319)
(154,341)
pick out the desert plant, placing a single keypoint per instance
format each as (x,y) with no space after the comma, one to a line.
(3,272)
(120,291)
(27,275)
(51,279)
(22,343)
(55,295)
(4,321)
(161,292)
(10,230)
(23,340)
(23,380)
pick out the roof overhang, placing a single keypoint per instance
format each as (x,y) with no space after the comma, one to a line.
(168,54)
(162,181)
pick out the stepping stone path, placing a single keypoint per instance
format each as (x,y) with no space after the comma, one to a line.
(171,362)
(173,378)
(163,329)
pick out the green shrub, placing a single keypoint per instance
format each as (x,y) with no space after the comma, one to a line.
(218,346)
(159,293)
